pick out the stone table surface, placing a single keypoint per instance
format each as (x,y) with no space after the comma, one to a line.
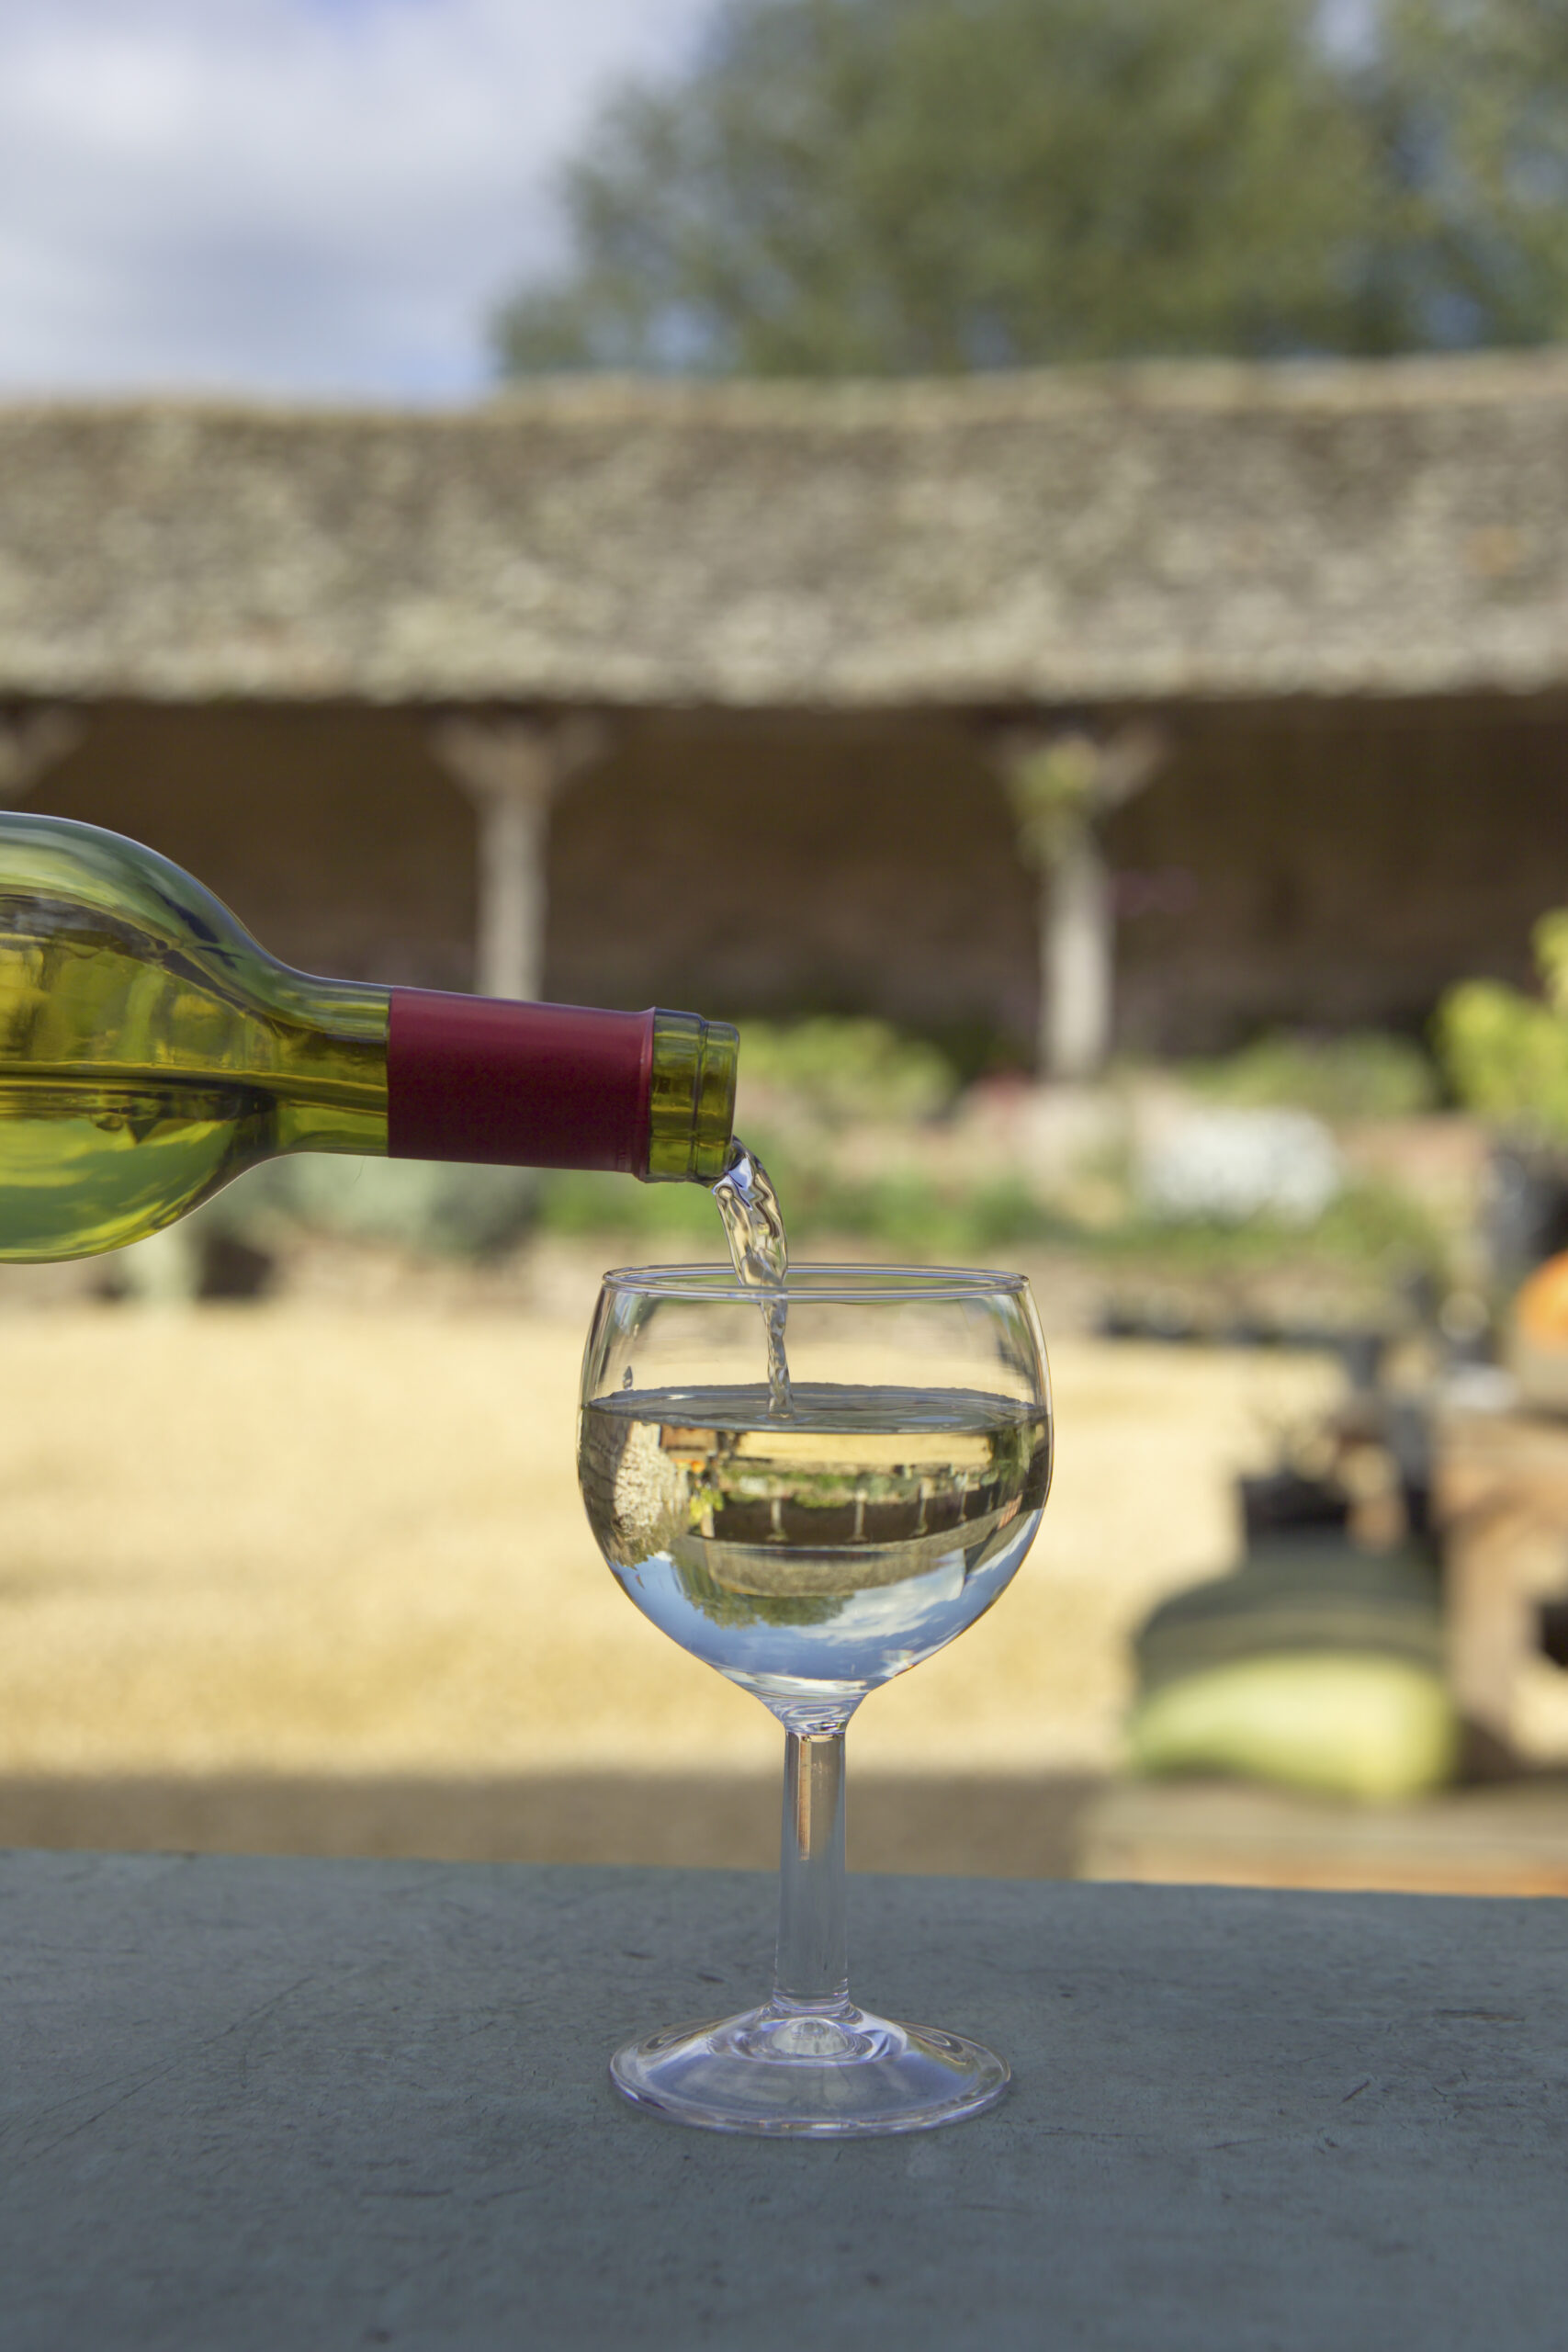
(258,2104)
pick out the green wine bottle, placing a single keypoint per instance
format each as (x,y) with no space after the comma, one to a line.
(150,1050)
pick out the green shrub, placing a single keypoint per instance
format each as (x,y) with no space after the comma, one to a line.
(1371,1228)
(1373,1224)
(445,1208)
(1368,1075)
(903,1213)
(847,1069)
(1505,1054)
(430,1207)
(575,1201)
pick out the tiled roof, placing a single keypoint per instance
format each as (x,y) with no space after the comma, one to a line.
(1148,533)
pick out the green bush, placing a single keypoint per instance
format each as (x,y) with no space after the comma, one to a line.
(430,1207)
(1371,1228)
(847,1069)
(908,1214)
(1368,1075)
(575,1201)
(904,1213)
(1505,1054)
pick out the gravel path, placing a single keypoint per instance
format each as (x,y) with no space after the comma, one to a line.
(299,1540)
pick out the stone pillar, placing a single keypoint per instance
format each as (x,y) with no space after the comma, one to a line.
(1077,959)
(513,769)
(1062,782)
(33,741)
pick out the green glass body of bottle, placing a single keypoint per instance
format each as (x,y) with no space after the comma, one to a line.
(150,1050)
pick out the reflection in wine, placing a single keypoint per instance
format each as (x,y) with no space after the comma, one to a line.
(832,1550)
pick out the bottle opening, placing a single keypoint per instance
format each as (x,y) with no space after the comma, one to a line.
(690,1111)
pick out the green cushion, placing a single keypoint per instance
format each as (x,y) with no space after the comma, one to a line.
(1356,1725)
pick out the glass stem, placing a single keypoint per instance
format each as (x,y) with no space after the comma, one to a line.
(813,1969)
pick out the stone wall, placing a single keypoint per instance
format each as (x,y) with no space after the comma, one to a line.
(761,866)
(1336,867)
(330,833)
(775,864)
(1331,865)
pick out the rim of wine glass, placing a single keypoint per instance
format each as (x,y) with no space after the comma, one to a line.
(832,1285)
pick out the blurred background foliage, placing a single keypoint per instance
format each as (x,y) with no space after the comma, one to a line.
(1505,1054)
(874,187)
(843,1069)
(1368,1074)
(876,1143)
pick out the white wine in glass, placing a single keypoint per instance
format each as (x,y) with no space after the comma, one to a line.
(811,1531)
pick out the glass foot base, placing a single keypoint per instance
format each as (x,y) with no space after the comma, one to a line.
(809,2073)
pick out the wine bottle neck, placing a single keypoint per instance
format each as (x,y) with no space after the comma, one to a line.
(327,1057)
(651,1095)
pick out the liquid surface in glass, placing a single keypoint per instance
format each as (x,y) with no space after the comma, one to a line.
(835,1547)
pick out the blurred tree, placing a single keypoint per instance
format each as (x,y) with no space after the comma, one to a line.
(892,186)
(919,187)
(1470,98)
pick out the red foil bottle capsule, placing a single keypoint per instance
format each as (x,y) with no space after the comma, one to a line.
(649,1095)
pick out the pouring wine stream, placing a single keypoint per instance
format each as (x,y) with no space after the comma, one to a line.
(759,1253)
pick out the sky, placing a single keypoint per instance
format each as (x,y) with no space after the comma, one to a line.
(300,199)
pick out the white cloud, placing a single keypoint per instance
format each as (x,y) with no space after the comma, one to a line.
(312,196)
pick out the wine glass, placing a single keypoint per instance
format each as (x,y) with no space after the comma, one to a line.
(809,1553)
